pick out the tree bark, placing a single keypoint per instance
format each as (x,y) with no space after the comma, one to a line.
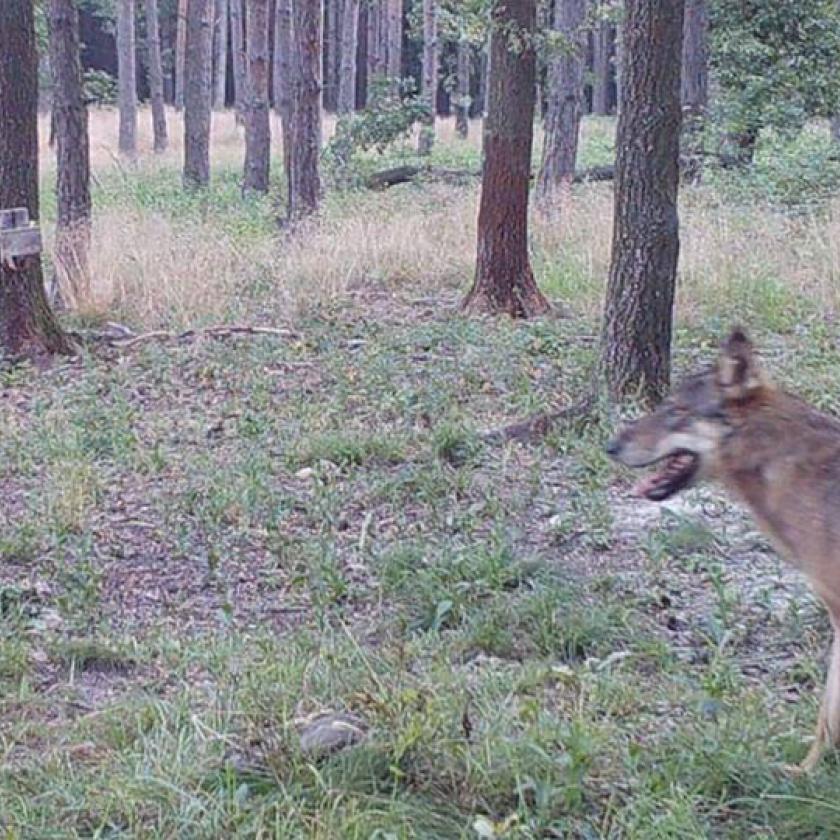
(156,77)
(197,94)
(180,53)
(331,54)
(27,325)
(601,70)
(220,51)
(72,234)
(429,85)
(636,339)
(483,76)
(349,42)
(504,282)
(394,38)
(257,127)
(376,55)
(240,65)
(565,106)
(126,52)
(305,134)
(695,86)
(283,69)
(462,106)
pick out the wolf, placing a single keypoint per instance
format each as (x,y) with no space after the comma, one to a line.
(772,451)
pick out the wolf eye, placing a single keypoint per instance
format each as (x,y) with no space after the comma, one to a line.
(674,417)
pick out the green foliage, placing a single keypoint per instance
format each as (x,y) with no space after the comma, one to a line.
(776,63)
(100,88)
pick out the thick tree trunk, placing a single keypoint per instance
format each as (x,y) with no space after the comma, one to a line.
(197,95)
(240,64)
(429,85)
(156,76)
(394,38)
(180,53)
(305,134)
(127,77)
(283,67)
(27,325)
(257,127)
(72,233)
(349,43)
(220,51)
(601,70)
(565,106)
(462,105)
(504,282)
(695,86)
(636,341)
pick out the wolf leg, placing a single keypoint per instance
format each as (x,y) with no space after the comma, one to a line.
(828,725)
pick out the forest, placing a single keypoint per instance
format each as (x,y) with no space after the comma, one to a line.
(331,335)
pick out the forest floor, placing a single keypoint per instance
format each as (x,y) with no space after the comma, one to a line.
(207,543)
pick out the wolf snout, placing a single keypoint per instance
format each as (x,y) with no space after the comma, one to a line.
(613,448)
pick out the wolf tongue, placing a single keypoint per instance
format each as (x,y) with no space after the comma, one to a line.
(645,484)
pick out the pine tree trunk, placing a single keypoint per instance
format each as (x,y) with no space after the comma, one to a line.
(27,325)
(394,38)
(257,127)
(127,77)
(429,85)
(565,106)
(504,282)
(240,65)
(72,234)
(283,62)
(483,77)
(695,86)
(349,41)
(197,94)
(636,341)
(305,134)
(376,47)
(180,53)
(220,48)
(462,106)
(332,54)
(156,77)
(601,70)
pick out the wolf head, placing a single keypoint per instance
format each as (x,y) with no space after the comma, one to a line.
(683,436)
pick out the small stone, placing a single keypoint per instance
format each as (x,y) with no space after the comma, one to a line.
(305,474)
(329,732)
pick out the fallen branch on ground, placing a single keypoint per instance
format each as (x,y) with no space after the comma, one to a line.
(125,340)
(538,425)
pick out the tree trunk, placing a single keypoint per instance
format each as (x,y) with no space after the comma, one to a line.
(257,127)
(305,134)
(483,76)
(504,282)
(636,341)
(220,50)
(197,95)
(156,76)
(349,41)
(27,325)
(283,68)
(394,38)
(462,106)
(601,70)
(695,86)
(565,106)
(72,233)
(332,54)
(180,53)
(376,63)
(428,88)
(240,65)
(127,77)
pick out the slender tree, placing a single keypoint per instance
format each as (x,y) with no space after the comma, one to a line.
(240,63)
(636,340)
(695,84)
(156,77)
(462,103)
(257,123)
(180,53)
(27,325)
(127,77)
(347,74)
(305,134)
(220,52)
(72,233)
(394,34)
(504,282)
(331,54)
(428,89)
(565,106)
(197,94)
(376,49)
(483,78)
(283,62)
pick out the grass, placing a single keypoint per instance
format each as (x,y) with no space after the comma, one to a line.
(204,544)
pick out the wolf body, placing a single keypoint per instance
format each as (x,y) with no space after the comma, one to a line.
(776,453)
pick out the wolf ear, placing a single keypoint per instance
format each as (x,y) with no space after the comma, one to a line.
(738,372)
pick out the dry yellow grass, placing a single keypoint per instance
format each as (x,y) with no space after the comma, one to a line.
(153,272)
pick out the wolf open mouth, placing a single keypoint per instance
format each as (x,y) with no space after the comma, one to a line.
(675,472)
